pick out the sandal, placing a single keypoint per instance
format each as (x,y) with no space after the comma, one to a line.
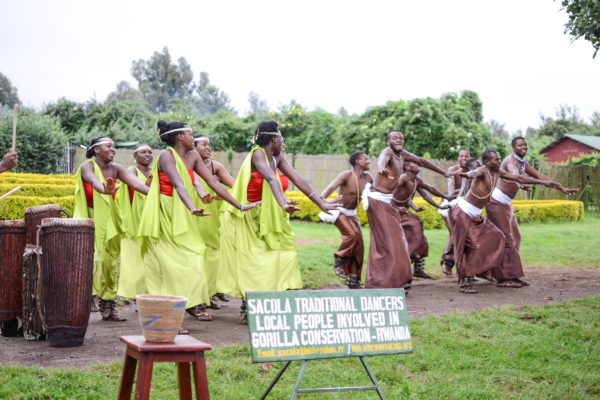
(509,284)
(466,286)
(199,314)
(338,267)
(214,305)
(523,283)
(487,275)
(222,297)
(183,331)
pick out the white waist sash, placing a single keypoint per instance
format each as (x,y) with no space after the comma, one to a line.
(469,208)
(385,197)
(334,214)
(501,197)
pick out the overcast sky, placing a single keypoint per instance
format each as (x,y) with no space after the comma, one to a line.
(323,53)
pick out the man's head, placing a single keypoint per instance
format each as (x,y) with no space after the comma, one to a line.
(395,140)
(519,146)
(472,163)
(410,166)
(491,159)
(463,156)
(360,159)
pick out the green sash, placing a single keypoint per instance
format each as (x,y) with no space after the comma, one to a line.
(132,211)
(274,222)
(183,229)
(107,216)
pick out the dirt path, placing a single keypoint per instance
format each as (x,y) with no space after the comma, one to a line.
(436,297)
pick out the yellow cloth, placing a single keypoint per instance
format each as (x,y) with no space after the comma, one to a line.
(172,247)
(107,237)
(257,246)
(209,228)
(131,279)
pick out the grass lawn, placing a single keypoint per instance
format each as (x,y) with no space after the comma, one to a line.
(538,352)
(543,244)
(534,352)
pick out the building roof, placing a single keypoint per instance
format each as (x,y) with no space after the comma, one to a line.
(590,141)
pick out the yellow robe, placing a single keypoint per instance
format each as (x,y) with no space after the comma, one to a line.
(172,247)
(131,278)
(210,229)
(257,246)
(107,237)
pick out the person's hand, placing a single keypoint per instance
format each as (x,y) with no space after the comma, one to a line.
(568,191)
(291,207)
(110,187)
(337,199)
(385,173)
(329,206)
(250,206)
(149,180)
(464,175)
(9,161)
(451,197)
(206,197)
(419,209)
(199,212)
(445,207)
(552,184)
(526,188)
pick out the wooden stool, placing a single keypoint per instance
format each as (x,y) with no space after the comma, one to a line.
(184,350)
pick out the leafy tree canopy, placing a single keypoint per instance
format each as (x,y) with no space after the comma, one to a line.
(584,21)
(8,93)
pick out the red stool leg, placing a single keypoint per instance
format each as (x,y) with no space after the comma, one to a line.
(144,377)
(200,377)
(127,377)
(185,383)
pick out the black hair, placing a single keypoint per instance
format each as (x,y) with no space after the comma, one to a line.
(471,163)
(164,126)
(89,153)
(467,150)
(355,156)
(487,155)
(515,140)
(265,126)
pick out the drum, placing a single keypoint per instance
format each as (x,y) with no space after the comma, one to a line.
(34,217)
(67,268)
(12,243)
(33,299)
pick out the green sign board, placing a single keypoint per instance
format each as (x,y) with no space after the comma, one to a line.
(311,324)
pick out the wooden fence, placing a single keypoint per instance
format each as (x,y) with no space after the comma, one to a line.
(320,170)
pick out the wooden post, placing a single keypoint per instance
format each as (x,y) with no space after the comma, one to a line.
(14,137)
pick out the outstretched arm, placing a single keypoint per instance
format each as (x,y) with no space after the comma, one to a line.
(525,179)
(304,186)
(131,180)
(538,175)
(87,174)
(166,162)
(428,198)
(425,163)
(223,174)
(433,190)
(334,185)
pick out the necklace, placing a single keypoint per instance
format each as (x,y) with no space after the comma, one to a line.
(493,187)
(409,197)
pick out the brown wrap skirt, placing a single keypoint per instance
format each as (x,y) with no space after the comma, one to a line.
(503,217)
(412,225)
(352,246)
(389,260)
(478,244)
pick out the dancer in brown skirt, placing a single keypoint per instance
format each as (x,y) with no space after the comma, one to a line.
(412,224)
(453,186)
(389,258)
(478,243)
(348,259)
(500,212)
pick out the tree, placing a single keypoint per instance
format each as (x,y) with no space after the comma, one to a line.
(256,104)
(125,92)
(568,121)
(40,140)
(498,130)
(160,80)
(584,21)
(210,98)
(69,114)
(8,93)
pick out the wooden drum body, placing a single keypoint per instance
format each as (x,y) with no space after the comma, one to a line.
(12,244)
(67,267)
(34,217)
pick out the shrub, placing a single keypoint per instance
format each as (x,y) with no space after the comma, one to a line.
(13,207)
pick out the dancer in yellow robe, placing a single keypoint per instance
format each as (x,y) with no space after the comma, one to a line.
(94,198)
(131,203)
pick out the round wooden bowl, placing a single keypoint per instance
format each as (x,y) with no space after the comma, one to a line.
(160,316)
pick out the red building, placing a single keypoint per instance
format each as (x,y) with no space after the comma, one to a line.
(571,146)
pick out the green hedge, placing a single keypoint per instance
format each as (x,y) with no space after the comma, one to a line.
(529,210)
(13,207)
(38,190)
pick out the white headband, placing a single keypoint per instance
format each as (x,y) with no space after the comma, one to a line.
(270,133)
(185,128)
(142,148)
(107,141)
